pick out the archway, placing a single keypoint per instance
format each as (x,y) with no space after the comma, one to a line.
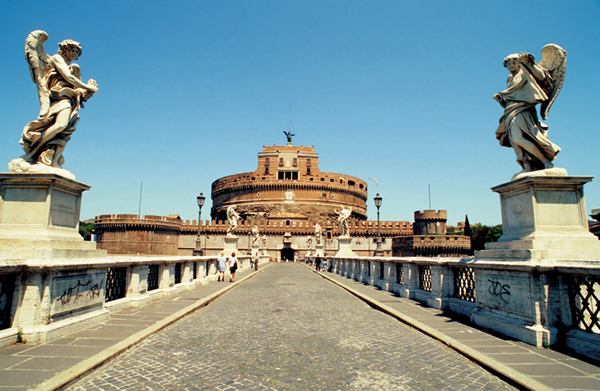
(287,254)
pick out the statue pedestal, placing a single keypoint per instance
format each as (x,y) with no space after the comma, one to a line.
(39,218)
(319,251)
(230,244)
(345,247)
(543,221)
(543,218)
(255,249)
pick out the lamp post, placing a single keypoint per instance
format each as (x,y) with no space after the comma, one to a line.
(378,251)
(198,250)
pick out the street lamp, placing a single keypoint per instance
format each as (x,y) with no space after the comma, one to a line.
(378,251)
(201,200)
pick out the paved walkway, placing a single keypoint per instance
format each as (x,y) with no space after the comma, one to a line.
(288,328)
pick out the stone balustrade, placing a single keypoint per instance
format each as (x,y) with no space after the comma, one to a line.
(41,300)
(544,305)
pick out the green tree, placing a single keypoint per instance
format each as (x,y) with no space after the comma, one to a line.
(85,230)
(467,227)
(483,234)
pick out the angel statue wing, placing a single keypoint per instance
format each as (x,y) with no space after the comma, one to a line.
(554,59)
(39,67)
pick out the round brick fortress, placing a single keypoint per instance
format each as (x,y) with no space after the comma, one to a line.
(288,185)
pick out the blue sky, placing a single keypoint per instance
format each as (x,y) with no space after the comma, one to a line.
(398,91)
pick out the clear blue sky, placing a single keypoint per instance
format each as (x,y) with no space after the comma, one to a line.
(398,91)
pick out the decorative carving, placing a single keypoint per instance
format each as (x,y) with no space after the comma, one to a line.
(232,218)
(530,84)
(343,216)
(255,235)
(62,94)
(318,233)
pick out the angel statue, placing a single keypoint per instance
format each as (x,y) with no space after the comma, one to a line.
(289,136)
(255,235)
(232,217)
(61,93)
(520,128)
(343,216)
(318,234)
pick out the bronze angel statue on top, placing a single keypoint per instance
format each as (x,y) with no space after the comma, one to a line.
(529,84)
(62,94)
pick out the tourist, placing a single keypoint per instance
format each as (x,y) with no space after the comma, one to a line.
(233,265)
(221,264)
(256,261)
(318,263)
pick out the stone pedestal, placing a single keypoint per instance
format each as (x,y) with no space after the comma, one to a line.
(544,221)
(254,249)
(319,251)
(230,244)
(543,218)
(39,218)
(345,247)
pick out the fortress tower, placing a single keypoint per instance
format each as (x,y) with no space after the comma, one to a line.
(288,186)
(430,222)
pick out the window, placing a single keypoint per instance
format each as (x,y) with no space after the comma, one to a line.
(280,162)
(295,162)
(307,162)
(267,162)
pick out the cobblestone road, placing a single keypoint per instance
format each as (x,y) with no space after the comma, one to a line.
(289,329)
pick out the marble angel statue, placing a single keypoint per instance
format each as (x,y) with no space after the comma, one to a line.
(343,216)
(232,218)
(318,233)
(61,93)
(255,235)
(529,84)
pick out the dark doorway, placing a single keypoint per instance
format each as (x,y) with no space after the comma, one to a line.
(287,254)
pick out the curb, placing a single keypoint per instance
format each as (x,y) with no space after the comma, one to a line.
(513,375)
(75,372)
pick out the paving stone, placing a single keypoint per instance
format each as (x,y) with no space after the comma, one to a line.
(289,329)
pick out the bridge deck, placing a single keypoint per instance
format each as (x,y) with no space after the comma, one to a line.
(288,328)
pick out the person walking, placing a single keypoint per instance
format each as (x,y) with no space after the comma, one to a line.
(221,264)
(256,261)
(233,265)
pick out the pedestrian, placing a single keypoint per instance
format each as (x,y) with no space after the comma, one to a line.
(318,263)
(233,265)
(256,261)
(221,264)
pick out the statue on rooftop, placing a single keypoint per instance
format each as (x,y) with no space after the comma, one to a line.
(232,218)
(520,128)
(343,216)
(289,136)
(62,94)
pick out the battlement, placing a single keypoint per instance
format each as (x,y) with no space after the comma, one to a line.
(440,215)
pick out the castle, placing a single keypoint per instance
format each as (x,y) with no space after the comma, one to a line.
(285,197)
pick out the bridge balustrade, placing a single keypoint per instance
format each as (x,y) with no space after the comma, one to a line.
(44,301)
(564,297)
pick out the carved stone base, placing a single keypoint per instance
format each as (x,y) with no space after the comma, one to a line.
(345,247)
(319,251)
(543,218)
(39,218)
(230,244)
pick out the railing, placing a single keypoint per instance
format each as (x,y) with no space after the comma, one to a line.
(115,283)
(89,289)
(7,287)
(584,300)
(152,277)
(464,283)
(425,277)
(539,304)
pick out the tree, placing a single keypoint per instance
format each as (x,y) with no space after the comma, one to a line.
(467,227)
(85,230)
(483,234)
